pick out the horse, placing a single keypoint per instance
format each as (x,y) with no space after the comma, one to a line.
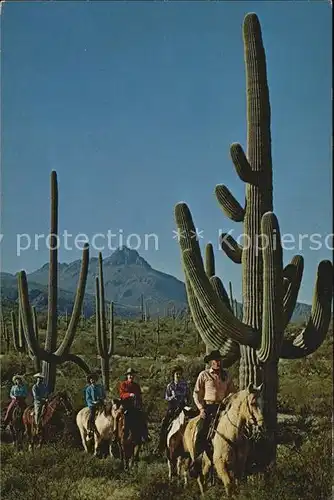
(104,425)
(59,402)
(16,427)
(128,435)
(240,421)
(174,442)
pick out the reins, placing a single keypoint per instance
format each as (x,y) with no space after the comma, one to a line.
(226,412)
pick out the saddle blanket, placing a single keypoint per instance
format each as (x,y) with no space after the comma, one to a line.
(177,423)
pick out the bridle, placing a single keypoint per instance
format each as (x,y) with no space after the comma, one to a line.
(250,430)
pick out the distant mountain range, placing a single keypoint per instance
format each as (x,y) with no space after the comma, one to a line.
(127,276)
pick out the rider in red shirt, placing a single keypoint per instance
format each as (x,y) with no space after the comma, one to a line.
(131,397)
(129,389)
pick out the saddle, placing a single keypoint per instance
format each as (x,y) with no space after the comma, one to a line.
(32,411)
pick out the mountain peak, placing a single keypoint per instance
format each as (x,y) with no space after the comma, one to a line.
(125,256)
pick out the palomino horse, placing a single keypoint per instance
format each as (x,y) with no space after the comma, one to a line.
(241,420)
(104,425)
(58,403)
(128,435)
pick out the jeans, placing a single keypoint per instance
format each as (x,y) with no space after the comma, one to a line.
(14,402)
(203,428)
(91,420)
(38,407)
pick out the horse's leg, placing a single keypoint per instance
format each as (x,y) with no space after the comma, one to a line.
(200,481)
(206,470)
(97,442)
(83,435)
(226,476)
(179,469)
(186,464)
(172,467)
(28,432)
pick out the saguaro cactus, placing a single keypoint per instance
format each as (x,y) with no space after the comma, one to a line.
(269,290)
(104,351)
(51,355)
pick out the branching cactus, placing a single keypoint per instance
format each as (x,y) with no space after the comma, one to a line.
(104,350)
(51,355)
(269,290)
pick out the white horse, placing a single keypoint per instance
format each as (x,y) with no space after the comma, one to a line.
(104,423)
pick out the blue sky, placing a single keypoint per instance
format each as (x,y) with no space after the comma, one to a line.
(135,106)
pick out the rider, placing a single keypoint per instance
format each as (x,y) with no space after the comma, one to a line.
(40,393)
(94,394)
(131,396)
(178,396)
(18,394)
(212,386)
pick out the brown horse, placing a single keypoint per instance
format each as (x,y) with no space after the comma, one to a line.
(240,421)
(59,403)
(16,426)
(128,436)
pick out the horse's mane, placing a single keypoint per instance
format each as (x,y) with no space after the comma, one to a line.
(229,400)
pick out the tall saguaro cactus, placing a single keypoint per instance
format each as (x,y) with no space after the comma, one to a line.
(269,290)
(51,355)
(104,351)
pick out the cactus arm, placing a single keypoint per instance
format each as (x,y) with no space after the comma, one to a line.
(74,358)
(97,318)
(241,164)
(230,206)
(210,335)
(272,330)
(75,317)
(215,310)
(232,249)
(39,353)
(28,322)
(111,349)
(209,260)
(103,325)
(35,322)
(293,273)
(17,342)
(219,288)
(51,332)
(313,335)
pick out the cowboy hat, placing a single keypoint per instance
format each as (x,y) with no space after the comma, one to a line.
(130,371)
(212,355)
(17,377)
(38,375)
(93,376)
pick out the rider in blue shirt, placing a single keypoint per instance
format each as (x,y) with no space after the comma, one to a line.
(40,393)
(94,394)
(18,394)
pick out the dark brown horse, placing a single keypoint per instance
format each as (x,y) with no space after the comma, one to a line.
(58,404)
(128,436)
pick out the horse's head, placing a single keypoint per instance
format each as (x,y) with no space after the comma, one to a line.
(108,408)
(63,400)
(254,408)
